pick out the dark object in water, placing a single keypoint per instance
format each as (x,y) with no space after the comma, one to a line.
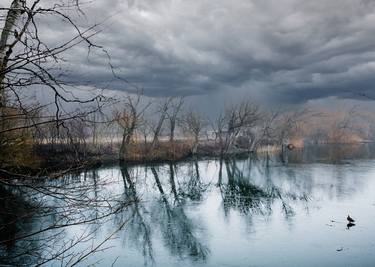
(340,249)
(350,225)
(350,219)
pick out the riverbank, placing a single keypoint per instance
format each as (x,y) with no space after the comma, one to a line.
(54,158)
(51,158)
(138,153)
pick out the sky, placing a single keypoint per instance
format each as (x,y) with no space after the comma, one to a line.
(273,51)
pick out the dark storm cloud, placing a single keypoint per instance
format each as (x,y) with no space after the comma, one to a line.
(285,50)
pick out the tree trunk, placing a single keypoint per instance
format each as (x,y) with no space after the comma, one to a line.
(195,145)
(126,138)
(173,127)
(172,181)
(157,131)
(10,22)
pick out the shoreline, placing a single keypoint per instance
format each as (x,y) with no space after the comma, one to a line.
(51,162)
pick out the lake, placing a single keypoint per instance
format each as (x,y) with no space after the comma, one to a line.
(235,212)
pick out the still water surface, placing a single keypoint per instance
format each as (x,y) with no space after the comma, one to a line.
(249,212)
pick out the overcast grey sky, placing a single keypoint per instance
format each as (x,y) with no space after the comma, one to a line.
(275,51)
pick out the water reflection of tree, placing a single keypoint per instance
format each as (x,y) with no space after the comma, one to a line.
(167,214)
(172,181)
(15,220)
(242,193)
(138,228)
(193,188)
(177,229)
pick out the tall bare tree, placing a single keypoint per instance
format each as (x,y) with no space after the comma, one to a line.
(232,122)
(172,113)
(28,60)
(162,113)
(193,124)
(128,119)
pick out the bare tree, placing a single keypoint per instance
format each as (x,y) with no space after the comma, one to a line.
(27,61)
(232,122)
(162,116)
(176,105)
(346,127)
(267,133)
(290,124)
(128,119)
(193,124)
(145,130)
